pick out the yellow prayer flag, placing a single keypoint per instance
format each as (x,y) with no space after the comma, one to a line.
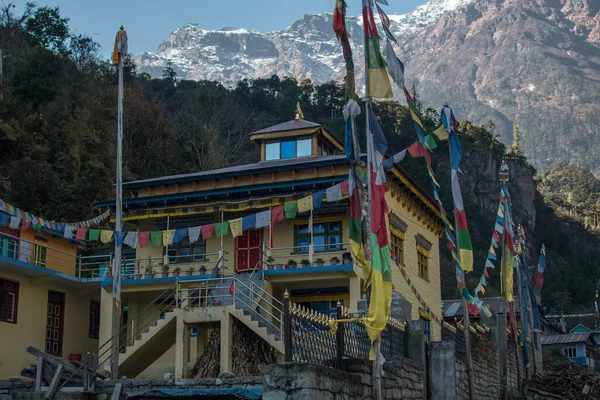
(416,118)
(305,204)
(507,267)
(236,227)
(379,83)
(106,236)
(167,237)
(442,133)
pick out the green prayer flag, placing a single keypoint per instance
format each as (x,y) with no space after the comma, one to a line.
(221,228)
(156,236)
(94,234)
(290,209)
(37,227)
(430,142)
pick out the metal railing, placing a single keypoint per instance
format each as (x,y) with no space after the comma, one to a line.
(314,337)
(298,256)
(38,254)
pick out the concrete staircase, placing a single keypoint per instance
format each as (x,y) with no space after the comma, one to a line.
(261,328)
(152,344)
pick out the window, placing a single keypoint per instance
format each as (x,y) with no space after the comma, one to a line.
(304,148)
(326,237)
(94,331)
(426,329)
(288,149)
(423,262)
(273,151)
(398,248)
(39,254)
(184,252)
(9,299)
(570,352)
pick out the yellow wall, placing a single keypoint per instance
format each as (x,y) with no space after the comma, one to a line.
(31,323)
(60,253)
(430,290)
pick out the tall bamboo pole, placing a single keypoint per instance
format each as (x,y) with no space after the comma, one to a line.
(121,48)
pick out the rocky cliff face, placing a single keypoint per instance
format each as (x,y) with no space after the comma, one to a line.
(537,61)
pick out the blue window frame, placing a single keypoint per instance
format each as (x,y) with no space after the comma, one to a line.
(288,149)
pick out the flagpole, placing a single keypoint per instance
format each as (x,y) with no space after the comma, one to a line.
(121,49)
(466,322)
(377,387)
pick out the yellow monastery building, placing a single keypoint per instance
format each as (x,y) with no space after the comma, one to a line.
(173,295)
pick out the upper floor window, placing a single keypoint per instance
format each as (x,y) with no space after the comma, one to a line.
(9,298)
(326,237)
(288,149)
(423,262)
(184,252)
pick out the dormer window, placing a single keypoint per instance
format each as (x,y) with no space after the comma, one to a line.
(286,149)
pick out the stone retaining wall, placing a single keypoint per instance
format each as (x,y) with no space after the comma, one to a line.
(402,379)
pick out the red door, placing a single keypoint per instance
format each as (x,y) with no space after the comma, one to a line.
(248,250)
(54,322)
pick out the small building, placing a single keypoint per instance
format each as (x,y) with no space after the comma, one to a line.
(43,301)
(578,347)
(549,328)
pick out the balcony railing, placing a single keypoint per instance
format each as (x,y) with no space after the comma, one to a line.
(100,265)
(299,256)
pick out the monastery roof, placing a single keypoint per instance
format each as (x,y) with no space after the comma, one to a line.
(246,169)
(295,124)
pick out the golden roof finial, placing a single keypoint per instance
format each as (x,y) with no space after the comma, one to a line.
(299,113)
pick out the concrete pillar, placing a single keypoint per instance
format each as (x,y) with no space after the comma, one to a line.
(182,342)
(133,306)
(268,287)
(354,289)
(414,341)
(106,314)
(442,374)
(226,343)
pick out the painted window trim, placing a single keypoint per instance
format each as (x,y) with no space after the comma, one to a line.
(4,292)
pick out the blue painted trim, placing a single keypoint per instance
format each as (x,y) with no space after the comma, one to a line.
(107,281)
(310,270)
(237,189)
(46,271)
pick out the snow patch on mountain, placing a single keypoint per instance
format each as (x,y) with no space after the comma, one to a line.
(306,49)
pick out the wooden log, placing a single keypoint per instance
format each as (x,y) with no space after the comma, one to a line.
(56,361)
(54,384)
(117,391)
(39,366)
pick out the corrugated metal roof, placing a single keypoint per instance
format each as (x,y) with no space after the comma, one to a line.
(454,308)
(288,126)
(568,338)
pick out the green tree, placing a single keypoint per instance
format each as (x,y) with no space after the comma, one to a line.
(48,28)
(169,73)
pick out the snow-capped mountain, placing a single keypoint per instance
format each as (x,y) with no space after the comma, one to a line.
(306,49)
(537,61)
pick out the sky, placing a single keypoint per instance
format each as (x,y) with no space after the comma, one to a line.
(150,22)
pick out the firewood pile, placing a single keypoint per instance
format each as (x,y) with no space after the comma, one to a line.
(250,354)
(569,381)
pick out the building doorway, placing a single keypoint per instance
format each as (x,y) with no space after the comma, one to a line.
(248,250)
(54,323)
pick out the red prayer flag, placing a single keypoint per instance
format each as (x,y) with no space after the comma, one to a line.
(345,186)
(143,238)
(208,231)
(80,235)
(485,272)
(232,287)
(277,214)
(417,150)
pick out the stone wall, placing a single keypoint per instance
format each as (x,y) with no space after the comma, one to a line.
(23,389)
(402,379)
(486,377)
